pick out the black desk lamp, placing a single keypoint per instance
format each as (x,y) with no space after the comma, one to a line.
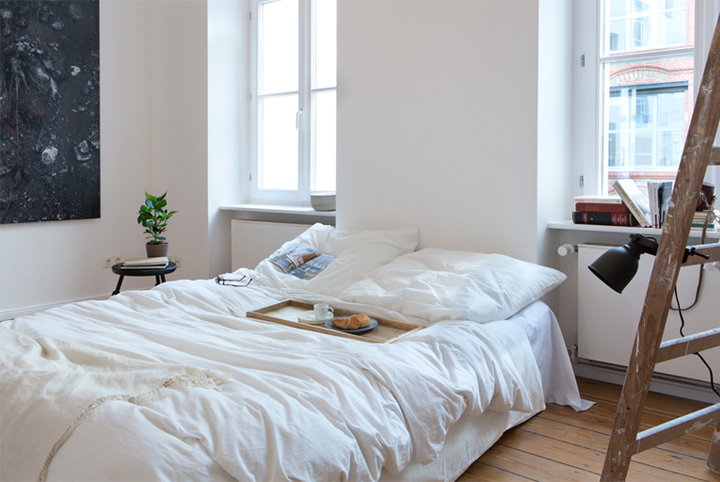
(617,266)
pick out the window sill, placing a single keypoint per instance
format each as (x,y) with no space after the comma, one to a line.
(279,213)
(570,226)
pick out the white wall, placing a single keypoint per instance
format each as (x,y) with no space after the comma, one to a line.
(179,93)
(554,147)
(437,121)
(227,128)
(153,121)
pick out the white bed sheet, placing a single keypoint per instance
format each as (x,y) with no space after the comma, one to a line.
(145,441)
(473,435)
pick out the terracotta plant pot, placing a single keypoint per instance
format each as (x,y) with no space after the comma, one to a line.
(157,250)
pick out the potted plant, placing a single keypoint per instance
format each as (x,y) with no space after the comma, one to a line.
(154,219)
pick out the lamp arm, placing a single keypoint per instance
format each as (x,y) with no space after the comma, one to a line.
(703,253)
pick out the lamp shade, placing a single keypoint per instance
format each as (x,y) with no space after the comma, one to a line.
(616,267)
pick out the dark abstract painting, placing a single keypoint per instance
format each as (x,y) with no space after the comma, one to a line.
(49,110)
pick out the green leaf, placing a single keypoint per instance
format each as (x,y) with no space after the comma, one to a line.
(161,203)
(162,197)
(144,208)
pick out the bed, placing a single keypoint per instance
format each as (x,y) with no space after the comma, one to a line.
(177,383)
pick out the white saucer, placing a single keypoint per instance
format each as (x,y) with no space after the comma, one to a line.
(308,317)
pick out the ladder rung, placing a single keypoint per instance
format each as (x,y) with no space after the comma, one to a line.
(673,429)
(671,349)
(715,156)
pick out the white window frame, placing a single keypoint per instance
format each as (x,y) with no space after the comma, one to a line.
(588,89)
(305,118)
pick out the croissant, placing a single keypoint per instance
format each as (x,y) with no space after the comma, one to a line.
(352,322)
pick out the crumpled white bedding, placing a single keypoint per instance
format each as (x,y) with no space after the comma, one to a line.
(439,284)
(55,386)
(299,405)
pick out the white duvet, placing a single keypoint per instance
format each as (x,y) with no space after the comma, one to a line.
(297,406)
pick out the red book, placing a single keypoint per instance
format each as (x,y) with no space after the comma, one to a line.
(601,208)
(607,219)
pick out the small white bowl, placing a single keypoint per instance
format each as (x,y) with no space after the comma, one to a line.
(308,317)
(323,201)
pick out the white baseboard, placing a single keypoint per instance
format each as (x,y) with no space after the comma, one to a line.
(11,314)
(667,384)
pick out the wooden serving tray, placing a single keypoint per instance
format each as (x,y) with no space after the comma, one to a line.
(286,313)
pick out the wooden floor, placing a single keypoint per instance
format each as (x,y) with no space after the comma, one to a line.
(560,444)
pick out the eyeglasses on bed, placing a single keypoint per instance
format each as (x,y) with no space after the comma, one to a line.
(233,282)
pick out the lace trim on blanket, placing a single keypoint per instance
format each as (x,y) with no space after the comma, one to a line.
(193,378)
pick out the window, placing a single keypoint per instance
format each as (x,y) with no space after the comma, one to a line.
(646,66)
(643,81)
(294,94)
(646,128)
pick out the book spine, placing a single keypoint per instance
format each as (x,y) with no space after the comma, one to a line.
(606,219)
(601,208)
(664,195)
(654,204)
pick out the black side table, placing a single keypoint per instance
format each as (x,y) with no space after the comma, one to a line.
(158,273)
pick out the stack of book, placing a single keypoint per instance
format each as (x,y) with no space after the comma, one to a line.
(145,263)
(629,208)
(699,220)
(605,210)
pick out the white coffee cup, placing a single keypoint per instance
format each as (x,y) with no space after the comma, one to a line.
(322,311)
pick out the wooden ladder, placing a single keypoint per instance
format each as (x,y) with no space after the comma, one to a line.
(698,154)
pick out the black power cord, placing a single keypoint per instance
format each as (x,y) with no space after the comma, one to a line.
(682,325)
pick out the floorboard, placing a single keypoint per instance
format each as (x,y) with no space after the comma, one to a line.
(560,444)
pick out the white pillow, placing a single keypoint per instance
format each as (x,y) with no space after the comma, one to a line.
(358,253)
(437,284)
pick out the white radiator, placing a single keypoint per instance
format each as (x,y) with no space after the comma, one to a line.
(253,241)
(607,321)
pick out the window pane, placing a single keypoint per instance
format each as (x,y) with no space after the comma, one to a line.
(617,35)
(642,31)
(640,5)
(279,42)
(670,147)
(671,110)
(618,111)
(617,147)
(278,143)
(643,115)
(671,28)
(325,43)
(324,142)
(618,8)
(642,149)
(668,4)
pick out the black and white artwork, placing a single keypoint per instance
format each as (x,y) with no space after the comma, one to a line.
(49,110)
